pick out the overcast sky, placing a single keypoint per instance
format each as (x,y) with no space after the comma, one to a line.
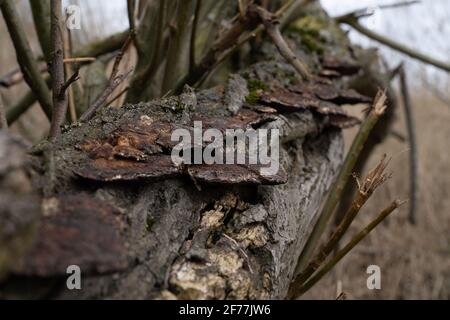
(424,27)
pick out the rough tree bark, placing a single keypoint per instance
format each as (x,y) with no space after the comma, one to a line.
(139,228)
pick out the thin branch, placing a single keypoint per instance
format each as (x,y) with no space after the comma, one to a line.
(119,57)
(347,248)
(15,76)
(192,49)
(41,17)
(366,12)
(25,57)
(150,43)
(337,189)
(67,39)
(177,64)
(271,25)
(74,77)
(57,71)
(352,21)
(100,102)
(373,180)
(413,158)
(398,4)
(103,46)
(228,40)
(22,105)
(131,7)
(114,81)
(79,59)
(117,96)
(284,13)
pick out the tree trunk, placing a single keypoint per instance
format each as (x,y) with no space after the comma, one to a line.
(139,228)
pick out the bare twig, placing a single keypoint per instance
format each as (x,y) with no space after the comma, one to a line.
(372,181)
(100,102)
(119,57)
(177,64)
(352,21)
(271,25)
(284,14)
(103,46)
(342,253)
(41,17)
(79,59)
(398,4)
(366,12)
(223,43)
(67,39)
(25,57)
(342,296)
(131,6)
(57,71)
(15,76)
(74,77)
(117,96)
(413,158)
(22,105)
(114,81)
(150,43)
(192,49)
(337,189)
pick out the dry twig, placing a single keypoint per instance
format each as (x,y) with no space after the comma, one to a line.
(271,25)
(114,81)
(192,49)
(413,158)
(337,189)
(373,180)
(25,57)
(117,96)
(41,17)
(59,85)
(285,13)
(351,19)
(343,252)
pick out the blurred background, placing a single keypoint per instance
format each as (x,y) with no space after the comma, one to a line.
(414,259)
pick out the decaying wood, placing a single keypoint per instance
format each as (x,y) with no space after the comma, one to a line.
(139,227)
